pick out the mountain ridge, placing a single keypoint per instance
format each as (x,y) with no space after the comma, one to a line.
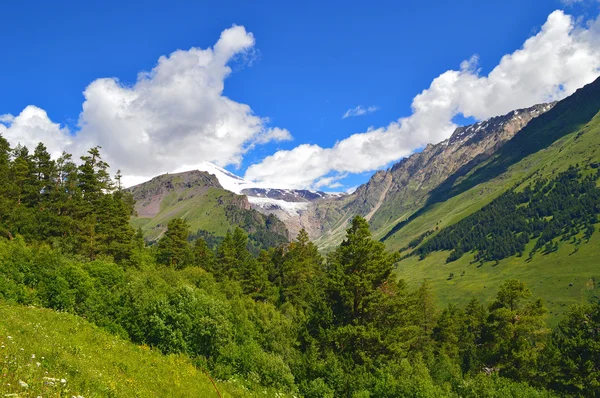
(200,199)
(393,194)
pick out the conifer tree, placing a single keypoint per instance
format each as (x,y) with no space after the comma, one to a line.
(173,248)
(203,255)
(516,331)
(303,272)
(356,270)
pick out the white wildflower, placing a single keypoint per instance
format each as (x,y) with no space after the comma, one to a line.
(32,356)
(23,384)
(9,337)
(63,381)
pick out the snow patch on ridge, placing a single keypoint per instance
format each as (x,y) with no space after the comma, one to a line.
(291,209)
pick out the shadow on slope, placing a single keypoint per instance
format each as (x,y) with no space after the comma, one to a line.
(566,117)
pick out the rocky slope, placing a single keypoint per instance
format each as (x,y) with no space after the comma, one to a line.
(392,195)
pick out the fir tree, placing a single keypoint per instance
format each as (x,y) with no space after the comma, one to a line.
(173,248)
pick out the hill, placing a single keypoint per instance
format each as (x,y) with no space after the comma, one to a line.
(394,194)
(45,353)
(566,136)
(210,210)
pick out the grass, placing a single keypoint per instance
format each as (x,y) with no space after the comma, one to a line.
(560,278)
(50,354)
(206,212)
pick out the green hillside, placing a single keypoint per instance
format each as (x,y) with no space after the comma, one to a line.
(50,354)
(209,210)
(568,135)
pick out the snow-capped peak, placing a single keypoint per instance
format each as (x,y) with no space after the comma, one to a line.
(228,180)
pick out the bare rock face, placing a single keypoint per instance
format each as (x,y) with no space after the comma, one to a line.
(393,194)
(289,205)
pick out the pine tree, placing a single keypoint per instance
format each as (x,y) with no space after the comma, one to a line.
(5,188)
(577,344)
(173,248)
(516,331)
(424,317)
(356,270)
(203,255)
(303,272)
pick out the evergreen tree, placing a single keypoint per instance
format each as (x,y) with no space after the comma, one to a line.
(303,272)
(358,267)
(203,255)
(173,248)
(516,331)
(577,344)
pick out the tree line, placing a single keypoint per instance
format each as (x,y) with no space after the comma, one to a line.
(564,208)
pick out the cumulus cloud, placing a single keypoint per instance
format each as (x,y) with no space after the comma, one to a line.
(549,66)
(174,115)
(359,111)
(33,125)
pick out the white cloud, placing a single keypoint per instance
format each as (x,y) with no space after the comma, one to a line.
(274,134)
(174,114)
(550,66)
(359,111)
(31,126)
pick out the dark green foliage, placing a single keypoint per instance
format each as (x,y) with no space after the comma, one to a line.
(551,209)
(262,233)
(72,207)
(173,248)
(574,359)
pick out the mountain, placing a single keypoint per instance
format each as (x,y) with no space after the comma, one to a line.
(209,209)
(394,194)
(528,211)
(291,206)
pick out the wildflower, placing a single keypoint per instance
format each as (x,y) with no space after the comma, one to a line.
(32,356)
(38,364)
(63,381)
(9,337)
(23,384)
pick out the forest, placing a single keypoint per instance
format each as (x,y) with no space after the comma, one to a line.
(562,209)
(288,317)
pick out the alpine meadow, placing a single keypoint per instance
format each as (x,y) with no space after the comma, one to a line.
(453,252)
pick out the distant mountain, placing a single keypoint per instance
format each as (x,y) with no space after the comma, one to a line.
(288,205)
(394,194)
(209,209)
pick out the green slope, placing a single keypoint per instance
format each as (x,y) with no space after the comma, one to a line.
(209,209)
(206,212)
(565,136)
(50,354)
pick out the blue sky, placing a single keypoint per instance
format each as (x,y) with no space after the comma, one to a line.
(309,64)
